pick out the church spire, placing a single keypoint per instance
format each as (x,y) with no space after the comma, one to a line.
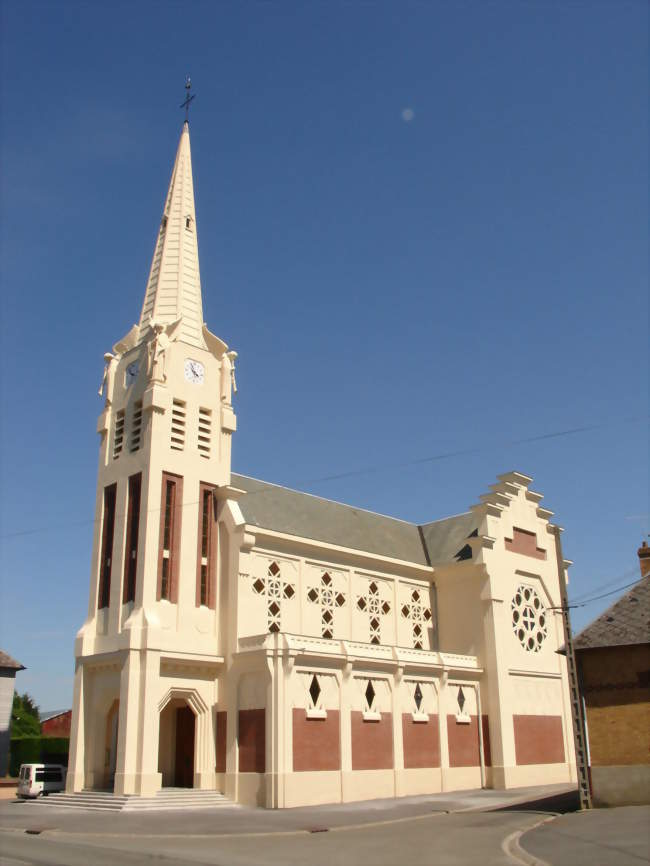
(174,286)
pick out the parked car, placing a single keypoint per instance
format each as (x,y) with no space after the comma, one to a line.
(35,780)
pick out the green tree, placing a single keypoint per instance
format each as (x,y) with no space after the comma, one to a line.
(24,717)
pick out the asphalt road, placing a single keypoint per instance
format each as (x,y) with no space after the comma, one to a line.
(488,828)
(441,839)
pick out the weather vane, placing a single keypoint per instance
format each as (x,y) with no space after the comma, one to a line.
(188,98)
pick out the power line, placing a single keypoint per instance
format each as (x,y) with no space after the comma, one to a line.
(447,455)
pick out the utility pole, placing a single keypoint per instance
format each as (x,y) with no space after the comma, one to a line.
(579,733)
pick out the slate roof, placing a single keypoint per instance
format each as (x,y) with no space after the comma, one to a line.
(52,714)
(270,506)
(7,662)
(626,622)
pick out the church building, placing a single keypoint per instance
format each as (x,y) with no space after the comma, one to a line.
(284,649)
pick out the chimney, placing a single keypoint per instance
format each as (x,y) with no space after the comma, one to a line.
(644,559)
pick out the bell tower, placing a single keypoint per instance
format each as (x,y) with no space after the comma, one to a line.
(165,448)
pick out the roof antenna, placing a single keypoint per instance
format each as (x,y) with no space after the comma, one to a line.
(188,98)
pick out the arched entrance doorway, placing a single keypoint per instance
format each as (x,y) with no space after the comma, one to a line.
(177,745)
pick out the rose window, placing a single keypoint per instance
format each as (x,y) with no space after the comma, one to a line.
(529,618)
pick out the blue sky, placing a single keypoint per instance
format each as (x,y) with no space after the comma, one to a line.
(456,278)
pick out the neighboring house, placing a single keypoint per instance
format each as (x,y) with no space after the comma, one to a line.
(277,646)
(8,669)
(613,656)
(56,723)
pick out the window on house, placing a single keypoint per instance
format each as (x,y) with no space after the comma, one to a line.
(171,503)
(106,553)
(207,545)
(132,528)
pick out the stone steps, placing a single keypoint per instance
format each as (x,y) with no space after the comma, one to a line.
(167,798)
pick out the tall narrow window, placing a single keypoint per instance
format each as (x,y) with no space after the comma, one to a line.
(118,439)
(106,553)
(132,527)
(205,580)
(170,530)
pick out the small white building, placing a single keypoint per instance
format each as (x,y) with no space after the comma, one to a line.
(8,669)
(279,647)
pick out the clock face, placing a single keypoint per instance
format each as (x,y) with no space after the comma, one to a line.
(132,373)
(194,371)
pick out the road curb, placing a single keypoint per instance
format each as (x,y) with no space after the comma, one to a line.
(513,849)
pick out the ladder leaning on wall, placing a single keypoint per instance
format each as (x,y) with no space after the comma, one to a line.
(577,715)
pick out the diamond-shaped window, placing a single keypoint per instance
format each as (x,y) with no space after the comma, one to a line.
(314,690)
(340,600)
(328,633)
(274,626)
(417,630)
(361,603)
(312,595)
(418,696)
(326,579)
(258,586)
(274,608)
(289,591)
(415,595)
(328,616)
(374,622)
(373,588)
(385,608)
(274,568)
(370,694)
(461,699)
(405,611)
(427,614)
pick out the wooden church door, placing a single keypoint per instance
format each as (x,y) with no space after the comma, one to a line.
(184,765)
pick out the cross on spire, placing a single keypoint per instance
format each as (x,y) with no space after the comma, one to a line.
(188,98)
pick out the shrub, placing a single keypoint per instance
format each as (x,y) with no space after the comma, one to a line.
(37,750)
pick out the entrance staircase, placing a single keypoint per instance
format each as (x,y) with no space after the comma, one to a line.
(167,798)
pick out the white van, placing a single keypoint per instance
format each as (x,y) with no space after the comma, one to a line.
(35,780)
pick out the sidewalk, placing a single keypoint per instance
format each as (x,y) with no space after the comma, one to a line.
(599,837)
(235,820)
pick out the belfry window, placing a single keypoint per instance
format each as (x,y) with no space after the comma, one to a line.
(170,513)
(132,528)
(106,554)
(207,545)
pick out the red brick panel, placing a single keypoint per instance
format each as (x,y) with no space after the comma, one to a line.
(538,739)
(222,719)
(524,542)
(57,726)
(372,742)
(421,742)
(316,742)
(487,750)
(463,742)
(252,741)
